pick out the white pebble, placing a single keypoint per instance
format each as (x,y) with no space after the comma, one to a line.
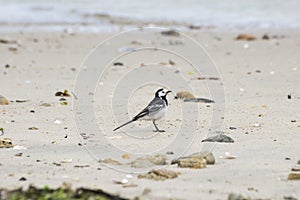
(246,46)
(124,181)
(129,176)
(57,122)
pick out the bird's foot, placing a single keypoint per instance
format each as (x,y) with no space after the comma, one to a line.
(160,131)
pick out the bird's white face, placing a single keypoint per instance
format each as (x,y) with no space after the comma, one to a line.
(163,93)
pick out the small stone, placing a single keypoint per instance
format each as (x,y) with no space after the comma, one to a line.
(126,156)
(18,154)
(64,103)
(160,174)
(149,161)
(289,198)
(3,100)
(46,105)
(184,95)
(5,143)
(296,169)
(57,164)
(199,100)
(170,33)
(21,101)
(23,179)
(219,138)
(229,156)
(65,93)
(233,196)
(81,166)
(289,96)
(246,37)
(57,122)
(207,156)
(118,64)
(111,161)
(192,162)
(265,37)
(294,176)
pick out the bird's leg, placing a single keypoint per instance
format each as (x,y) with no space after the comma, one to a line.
(157,130)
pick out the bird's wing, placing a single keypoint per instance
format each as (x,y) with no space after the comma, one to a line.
(153,106)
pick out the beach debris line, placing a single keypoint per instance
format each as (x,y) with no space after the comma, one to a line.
(63,192)
(5,143)
(3,100)
(160,174)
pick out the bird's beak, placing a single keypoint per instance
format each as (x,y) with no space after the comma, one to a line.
(169,91)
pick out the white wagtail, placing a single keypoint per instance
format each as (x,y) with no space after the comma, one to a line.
(155,110)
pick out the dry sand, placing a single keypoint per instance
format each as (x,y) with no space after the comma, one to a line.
(257,78)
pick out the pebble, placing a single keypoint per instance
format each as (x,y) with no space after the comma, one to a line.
(18,154)
(160,174)
(207,156)
(233,196)
(65,93)
(192,162)
(184,95)
(111,161)
(296,169)
(219,138)
(5,143)
(294,176)
(149,161)
(57,122)
(229,156)
(170,33)
(202,100)
(246,37)
(126,156)
(118,64)
(265,37)
(23,179)
(46,105)
(3,100)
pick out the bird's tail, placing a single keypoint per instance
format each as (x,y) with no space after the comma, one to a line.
(124,124)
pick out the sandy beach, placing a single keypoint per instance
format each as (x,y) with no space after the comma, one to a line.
(262,114)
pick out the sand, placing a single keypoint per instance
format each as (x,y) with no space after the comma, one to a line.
(257,77)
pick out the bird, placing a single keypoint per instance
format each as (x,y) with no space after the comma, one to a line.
(155,110)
